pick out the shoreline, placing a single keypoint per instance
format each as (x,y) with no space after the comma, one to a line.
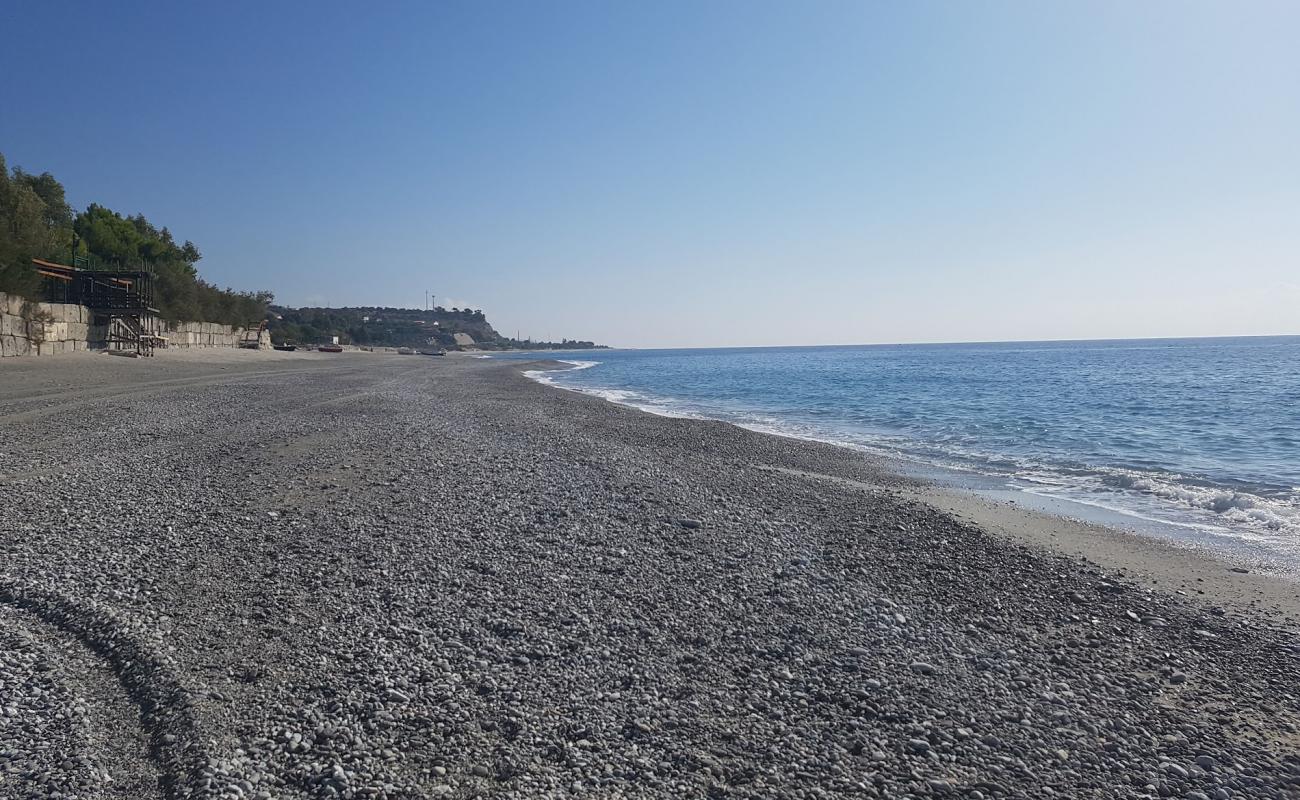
(420,578)
(1197,575)
(1021,515)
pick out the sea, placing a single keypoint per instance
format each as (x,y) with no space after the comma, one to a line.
(1193,440)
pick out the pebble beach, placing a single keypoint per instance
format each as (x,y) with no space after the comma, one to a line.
(257,575)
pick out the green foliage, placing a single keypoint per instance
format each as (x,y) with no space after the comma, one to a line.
(36,222)
(135,243)
(397,327)
(382,327)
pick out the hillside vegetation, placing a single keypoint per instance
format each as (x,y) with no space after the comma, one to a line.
(398,327)
(37,222)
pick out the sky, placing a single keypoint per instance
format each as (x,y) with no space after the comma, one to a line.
(697,173)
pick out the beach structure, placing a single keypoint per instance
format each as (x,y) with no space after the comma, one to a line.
(253,337)
(121,301)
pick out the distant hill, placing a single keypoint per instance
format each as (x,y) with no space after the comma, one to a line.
(399,327)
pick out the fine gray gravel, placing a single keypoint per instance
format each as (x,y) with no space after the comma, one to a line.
(367,576)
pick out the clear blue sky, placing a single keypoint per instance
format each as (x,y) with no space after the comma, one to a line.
(698,173)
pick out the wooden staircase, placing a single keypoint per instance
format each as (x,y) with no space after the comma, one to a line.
(253,337)
(132,332)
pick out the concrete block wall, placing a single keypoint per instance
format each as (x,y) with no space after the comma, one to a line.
(72,329)
(65,328)
(202,334)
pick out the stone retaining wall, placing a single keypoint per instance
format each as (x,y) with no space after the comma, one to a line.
(206,334)
(30,329)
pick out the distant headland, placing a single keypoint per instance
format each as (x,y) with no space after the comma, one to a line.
(375,326)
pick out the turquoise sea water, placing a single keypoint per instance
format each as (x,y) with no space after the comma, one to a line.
(1203,434)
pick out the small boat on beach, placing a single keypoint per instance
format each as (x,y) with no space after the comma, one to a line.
(405,351)
(284,348)
(433,352)
(330,348)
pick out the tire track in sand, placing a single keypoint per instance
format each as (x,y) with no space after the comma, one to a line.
(143,730)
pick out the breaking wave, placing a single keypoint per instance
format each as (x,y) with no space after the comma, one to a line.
(547,376)
(1280,512)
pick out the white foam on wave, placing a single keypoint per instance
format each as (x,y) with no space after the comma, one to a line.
(547,376)
(539,375)
(1281,514)
(659,406)
(1173,500)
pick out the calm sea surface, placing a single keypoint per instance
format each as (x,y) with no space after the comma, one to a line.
(1199,434)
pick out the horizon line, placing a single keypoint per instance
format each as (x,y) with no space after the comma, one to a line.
(973,342)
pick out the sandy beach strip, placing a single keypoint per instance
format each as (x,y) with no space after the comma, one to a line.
(306,575)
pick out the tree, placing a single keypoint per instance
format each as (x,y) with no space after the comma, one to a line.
(136,243)
(55,212)
(35,222)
